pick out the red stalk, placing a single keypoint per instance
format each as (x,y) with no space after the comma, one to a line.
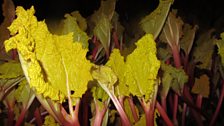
(99,115)
(21,117)
(10,116)
(133,110)
(214,117)
(199,101)
(116,41)
(163,101)
(120,110)
(164,115)
(38,118)
(177,62)
(149,112)
(76,111)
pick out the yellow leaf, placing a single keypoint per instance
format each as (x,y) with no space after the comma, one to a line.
(142,68)
(201,86)
(105,76)
(117,64)
(52,64)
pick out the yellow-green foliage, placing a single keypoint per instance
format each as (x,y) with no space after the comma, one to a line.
(50,62)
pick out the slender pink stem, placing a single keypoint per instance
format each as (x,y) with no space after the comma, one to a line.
(177,61)
(99,115)
(116,41)
(120,110)
(163,101)
(214,117)
(76,112)
(176,56)
(133,109)
(149,116)
(199,101)
(21,117)
(164,115)
(10,117)
(38,118)
(149,112)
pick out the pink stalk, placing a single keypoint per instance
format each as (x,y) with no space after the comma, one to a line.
(116,41)
(177,62)
(214,117)
(120,110)
(163,101)
(10,115)
(199,101)
(133,109)
(164,115)
(149,109)
(99,115)
(21,117)
(38,118)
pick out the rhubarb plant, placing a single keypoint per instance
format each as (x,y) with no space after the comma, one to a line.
(89,70)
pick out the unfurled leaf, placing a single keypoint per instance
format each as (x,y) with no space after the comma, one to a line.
(153,23)
(70,25)
(203,50)
(172,78)
(201,86)
(103,32)
(220,44)
(117,64)
(142,68)
(10,70)
(52,64)
(188,38)
(172,30)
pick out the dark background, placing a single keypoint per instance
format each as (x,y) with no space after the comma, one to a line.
(205,13)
